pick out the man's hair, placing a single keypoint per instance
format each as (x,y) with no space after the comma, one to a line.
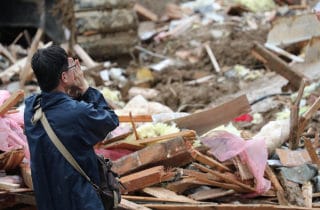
(48,65)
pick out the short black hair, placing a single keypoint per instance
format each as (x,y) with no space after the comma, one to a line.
(47,65)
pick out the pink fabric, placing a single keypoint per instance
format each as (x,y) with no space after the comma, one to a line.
(113,154)
(11,132)
(224,145)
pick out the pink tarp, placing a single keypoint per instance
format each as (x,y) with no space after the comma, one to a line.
(224,145)
(11,132)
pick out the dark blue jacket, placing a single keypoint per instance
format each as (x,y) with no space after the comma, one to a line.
(79,125)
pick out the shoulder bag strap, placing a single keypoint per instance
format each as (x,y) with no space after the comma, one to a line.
(39,115)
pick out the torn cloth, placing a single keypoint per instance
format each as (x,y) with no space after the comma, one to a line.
(224,145)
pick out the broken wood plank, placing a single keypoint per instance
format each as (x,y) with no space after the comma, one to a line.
(184,184)
(201,122)
(160,192)
(135,118)
(145,178)
(307,194)
(304,119)
(224,177)
(26,73)
(291,158)
(148,199)
(312,152)
(125,204)
(279,66)
(146,13)
(7,54)
(135,132)
(210,194)
(212,58)
(185,133)
(170,153)
(86,59)
(211,206)
(275,182)
(294,136)
(12,101)
(283,52)
(207,160)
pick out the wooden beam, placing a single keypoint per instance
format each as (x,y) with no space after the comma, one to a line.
(294,136)
(279,190)
(160,192)
(224,177)
(148,199)
(312,152)
(141,10)
(170,153)
(188,133)
(12,101)
(136,118)
(26,73)
(279,66)
(184,184)
(125,204)
(304,119)
(202,122)
(214,206)
(207,160)
(145,178)
(86,59)
(210,194)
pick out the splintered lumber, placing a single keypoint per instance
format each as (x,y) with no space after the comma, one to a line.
(212,58)
(10,102)
(184,184)
(224,177)
(14,69)
(170,153)
(307,194)
(279,66)
(86,59)
(304,119)
(290,158)
(146,13)
(312,152)
(207,160)
(102,4)
(163,193)
(210,194)
(275,182)
(145,178)
(294,135)
(7,54)
(186,133)
(26,73)
(148,199)
(125,204)
(105,21)
(135,118)
(202,122)
(210,206)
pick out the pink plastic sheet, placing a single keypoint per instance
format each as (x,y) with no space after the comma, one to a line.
(224,145)
(11,132)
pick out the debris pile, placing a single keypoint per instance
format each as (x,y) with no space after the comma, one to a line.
(218,104)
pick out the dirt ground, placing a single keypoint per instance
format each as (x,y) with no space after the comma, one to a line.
(231,50)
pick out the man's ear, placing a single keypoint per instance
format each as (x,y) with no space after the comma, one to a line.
(64,77)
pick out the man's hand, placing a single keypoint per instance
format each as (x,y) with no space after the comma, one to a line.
(79,80)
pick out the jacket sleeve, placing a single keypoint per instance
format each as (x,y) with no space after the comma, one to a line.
(96,117)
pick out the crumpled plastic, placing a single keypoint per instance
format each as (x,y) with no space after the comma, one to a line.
(11,129)
(224,145)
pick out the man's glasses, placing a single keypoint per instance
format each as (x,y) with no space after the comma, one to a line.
(72,66)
